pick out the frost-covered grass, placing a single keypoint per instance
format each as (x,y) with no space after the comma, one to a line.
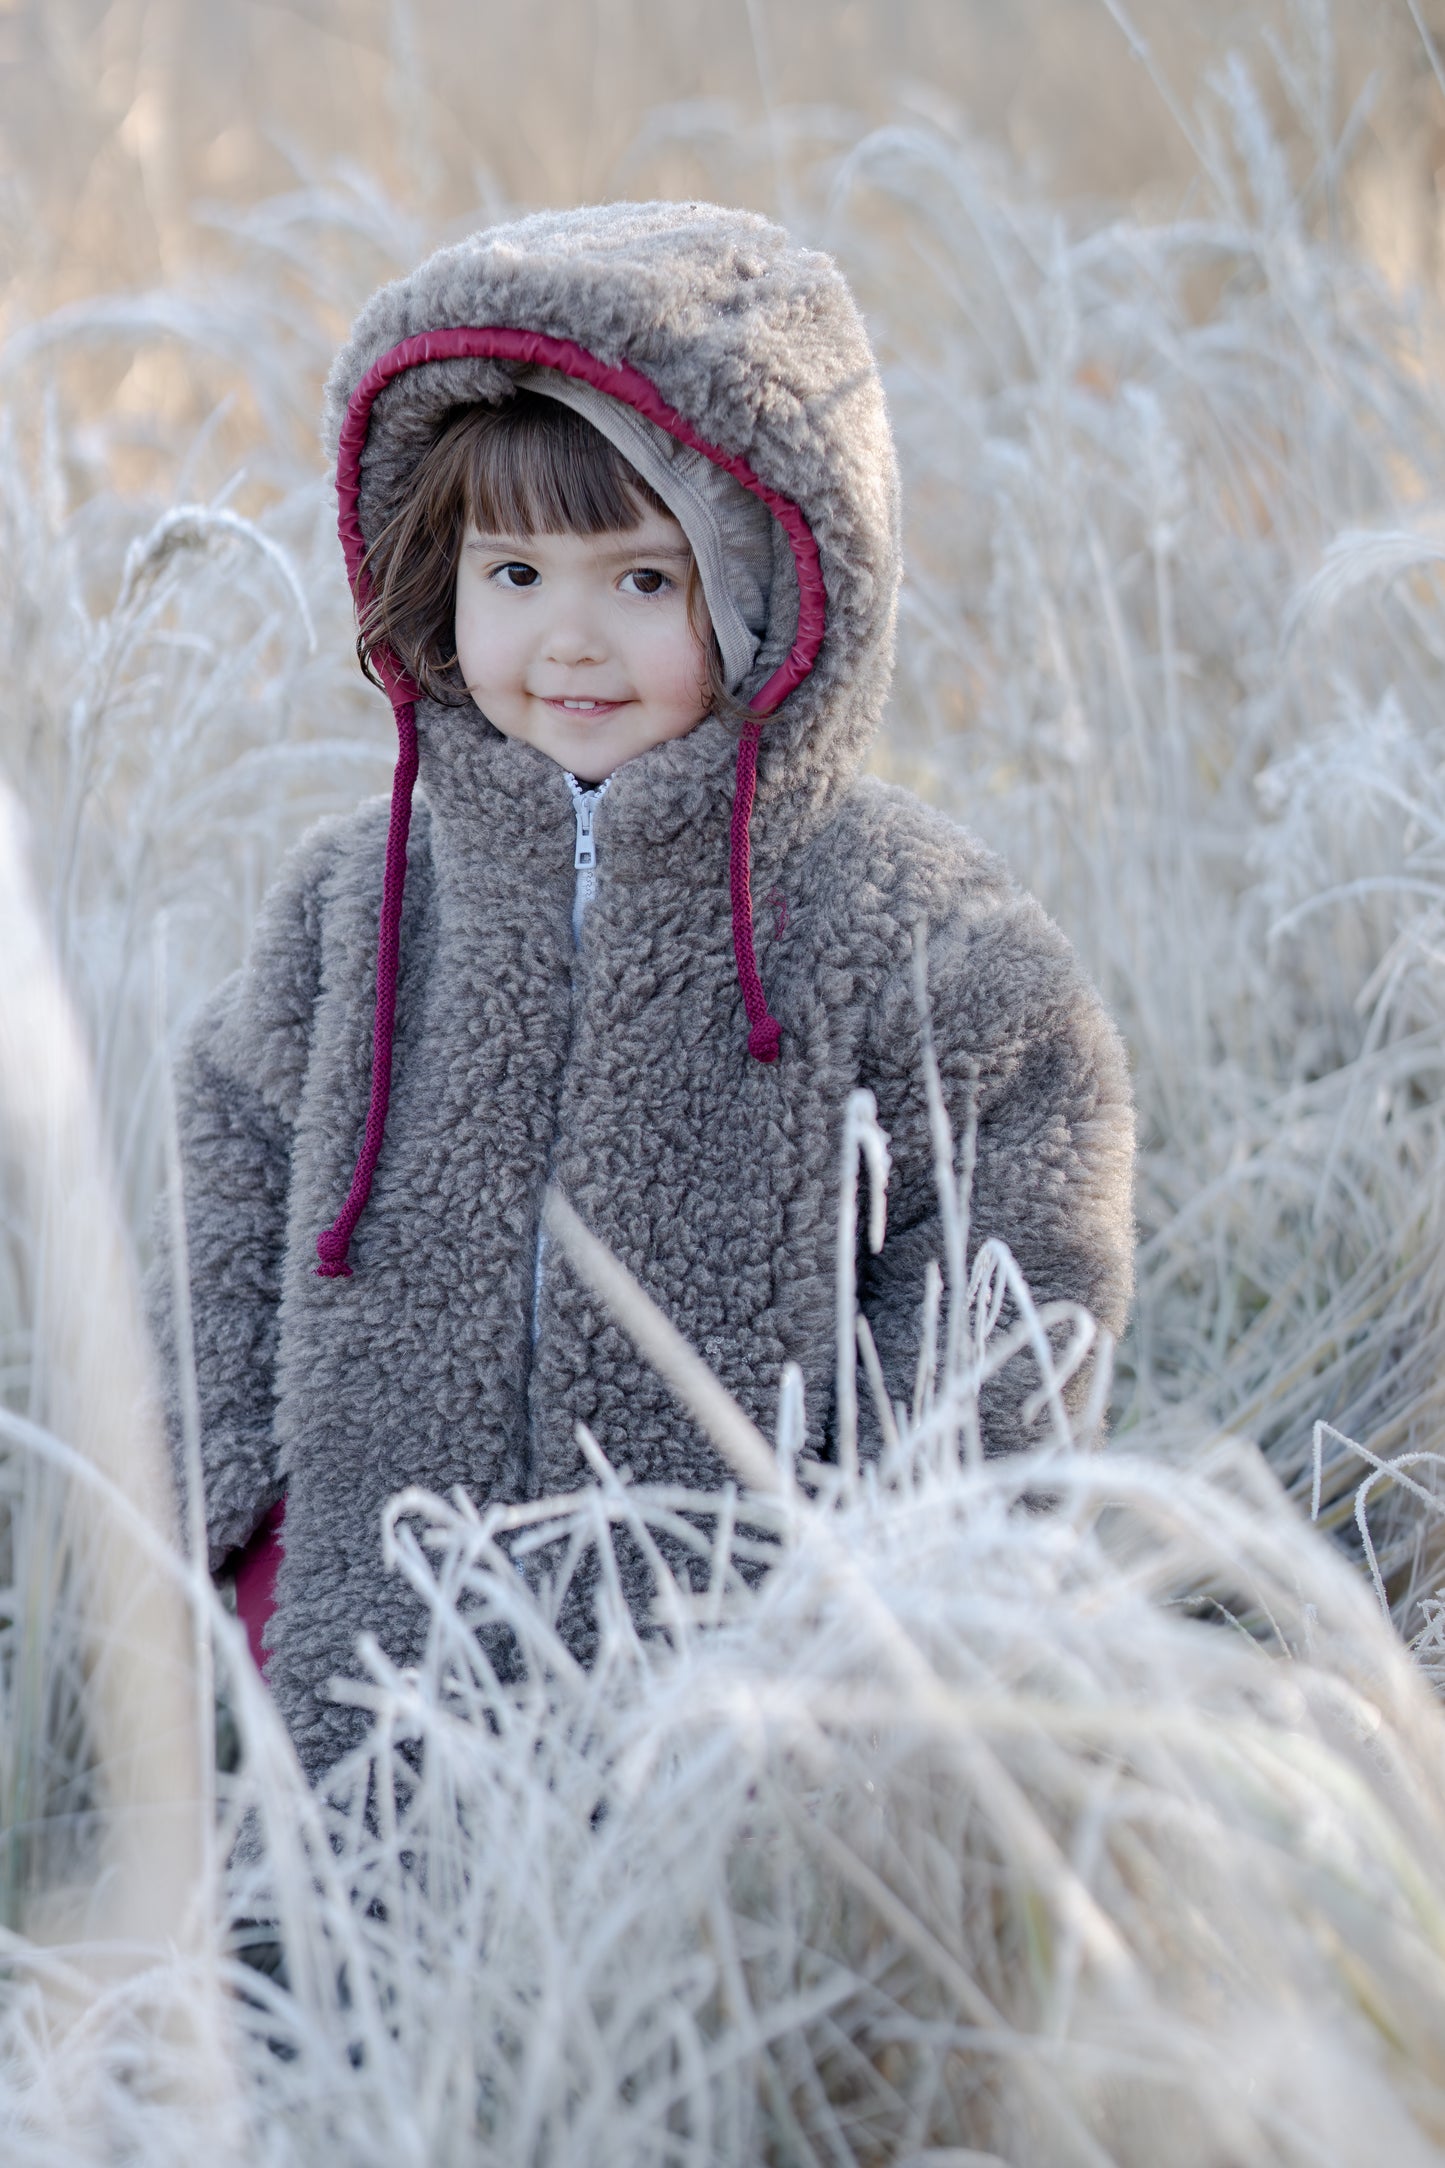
(1070,1808)
(1103,1831)
(1173,641)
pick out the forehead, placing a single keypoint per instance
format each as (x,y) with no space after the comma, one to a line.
(656,533)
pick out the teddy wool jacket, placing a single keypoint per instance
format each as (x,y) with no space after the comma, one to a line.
(628,1066)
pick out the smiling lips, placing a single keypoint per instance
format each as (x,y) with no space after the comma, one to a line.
(584,707)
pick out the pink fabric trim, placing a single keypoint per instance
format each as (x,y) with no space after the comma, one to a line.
(494,342)
(256,1571)
(333,1242)
(619,379)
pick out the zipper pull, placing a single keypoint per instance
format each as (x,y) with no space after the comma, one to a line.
(585,805)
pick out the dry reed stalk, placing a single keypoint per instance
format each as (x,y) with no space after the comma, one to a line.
(113,1585)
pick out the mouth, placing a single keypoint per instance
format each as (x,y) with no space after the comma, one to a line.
(589,708)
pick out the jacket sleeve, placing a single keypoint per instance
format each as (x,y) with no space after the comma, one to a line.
(238,1087)
(1020,1034)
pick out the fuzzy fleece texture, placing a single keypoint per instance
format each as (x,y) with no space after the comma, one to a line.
(619,1068)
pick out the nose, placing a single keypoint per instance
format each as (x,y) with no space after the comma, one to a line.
(572,634)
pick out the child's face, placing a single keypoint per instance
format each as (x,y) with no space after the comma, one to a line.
(580,644)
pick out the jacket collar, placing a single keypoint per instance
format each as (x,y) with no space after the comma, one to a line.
(500,804)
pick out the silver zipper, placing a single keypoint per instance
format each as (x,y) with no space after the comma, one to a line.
(584,857)
(584,805)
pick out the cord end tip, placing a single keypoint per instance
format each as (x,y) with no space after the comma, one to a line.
(765,1039)
(331,1248)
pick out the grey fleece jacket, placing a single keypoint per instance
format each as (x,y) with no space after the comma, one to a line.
(620,1066)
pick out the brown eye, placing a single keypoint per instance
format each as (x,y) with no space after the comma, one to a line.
(647,581)
(517,575)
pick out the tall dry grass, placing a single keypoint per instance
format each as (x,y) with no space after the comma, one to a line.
(973,1827)
(1172,641)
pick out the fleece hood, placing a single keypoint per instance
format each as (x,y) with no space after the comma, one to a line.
(721,337)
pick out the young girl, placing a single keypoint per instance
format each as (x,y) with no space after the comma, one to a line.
(620,511)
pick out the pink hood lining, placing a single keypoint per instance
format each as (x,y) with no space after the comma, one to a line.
(621,381)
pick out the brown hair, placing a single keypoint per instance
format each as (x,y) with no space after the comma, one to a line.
(526,466)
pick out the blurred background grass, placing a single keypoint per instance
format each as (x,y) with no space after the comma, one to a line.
(133,134)
(117,117)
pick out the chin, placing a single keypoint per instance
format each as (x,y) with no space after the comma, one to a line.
(593,756)
(595,760)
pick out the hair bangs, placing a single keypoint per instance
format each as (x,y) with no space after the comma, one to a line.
(536,467)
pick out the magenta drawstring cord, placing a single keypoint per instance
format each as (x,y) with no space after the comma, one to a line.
(621,381)
(333,1243)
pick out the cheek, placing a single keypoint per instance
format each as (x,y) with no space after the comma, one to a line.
(464,631)
(677,663)
(481,635)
